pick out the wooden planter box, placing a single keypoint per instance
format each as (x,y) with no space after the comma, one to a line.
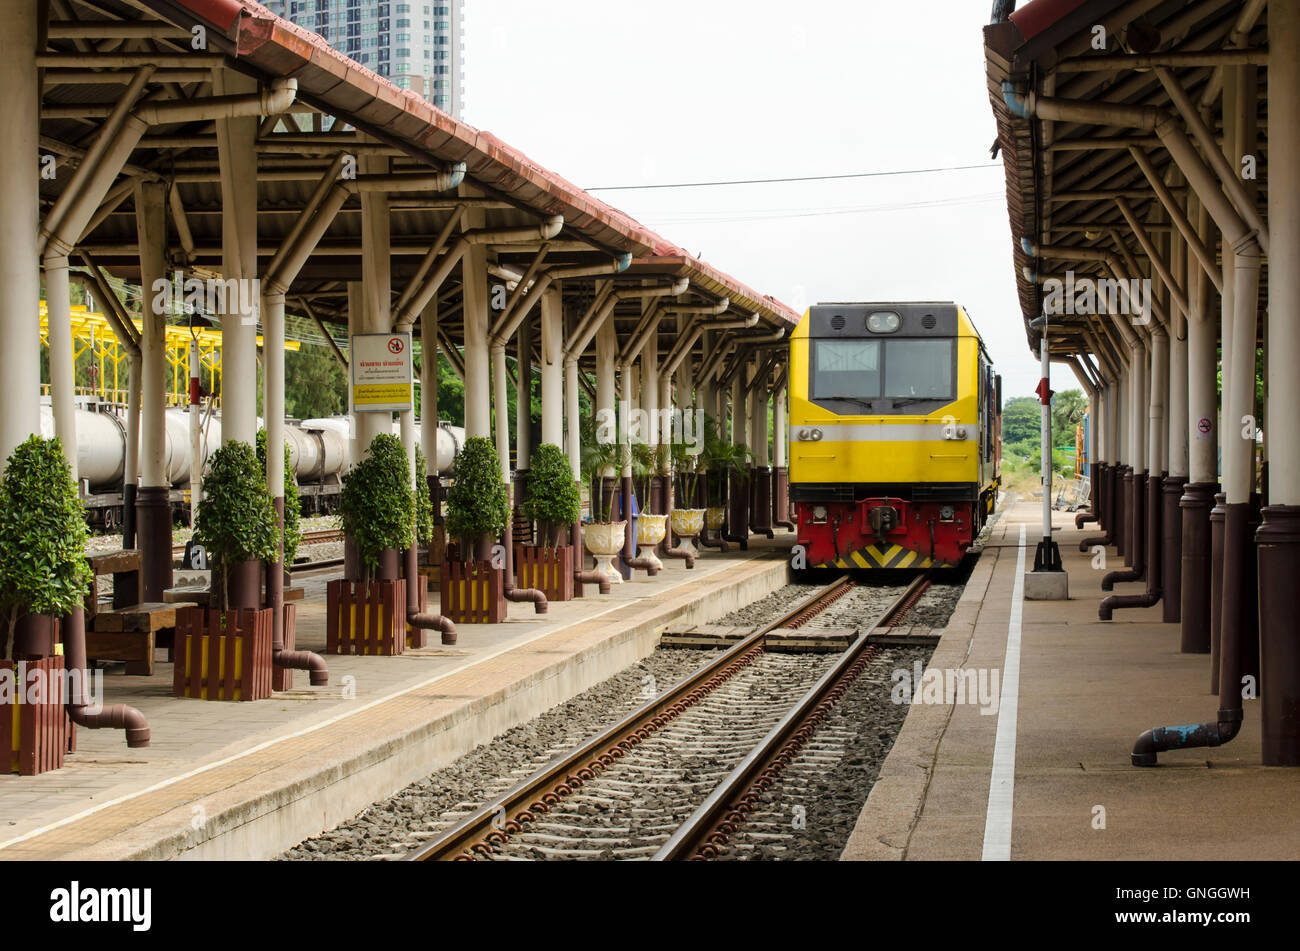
(365,618)
(418,636)
(282,677)
(34,737)
(549,570)
(223,655)
(472,592)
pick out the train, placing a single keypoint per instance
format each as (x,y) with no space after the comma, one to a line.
(895,434)
(319,451)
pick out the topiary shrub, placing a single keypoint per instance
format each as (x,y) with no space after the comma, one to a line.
(43,568)
(376,507)
(478,505)
(551,496)
(236,518)
(292,501)
(423,500)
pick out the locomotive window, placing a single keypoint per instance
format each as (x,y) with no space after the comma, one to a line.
(846,368)
(920,369)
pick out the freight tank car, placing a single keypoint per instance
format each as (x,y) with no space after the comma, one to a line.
(895,434)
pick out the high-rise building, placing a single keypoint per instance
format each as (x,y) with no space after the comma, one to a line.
(416,44)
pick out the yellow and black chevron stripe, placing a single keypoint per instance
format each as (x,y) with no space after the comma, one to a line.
(877,556)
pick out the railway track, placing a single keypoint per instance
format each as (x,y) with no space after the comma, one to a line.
(321,537)
(700,752)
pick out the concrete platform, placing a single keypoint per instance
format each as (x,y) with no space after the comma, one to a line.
(1064,787)
(248,780)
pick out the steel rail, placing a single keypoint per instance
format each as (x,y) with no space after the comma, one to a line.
(509,812)
(707,829)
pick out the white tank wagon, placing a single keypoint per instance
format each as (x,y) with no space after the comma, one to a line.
(319,452)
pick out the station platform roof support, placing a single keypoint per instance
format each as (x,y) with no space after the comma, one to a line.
(213,139)
(1157,224)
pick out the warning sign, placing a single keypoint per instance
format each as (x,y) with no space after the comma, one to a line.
(1204,428)
(381,373)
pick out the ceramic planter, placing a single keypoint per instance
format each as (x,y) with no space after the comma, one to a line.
(714,517)
(605,540)
(650,531)
(687,525)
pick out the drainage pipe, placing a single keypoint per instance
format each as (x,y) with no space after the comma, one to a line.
(1147,538)
(117,717)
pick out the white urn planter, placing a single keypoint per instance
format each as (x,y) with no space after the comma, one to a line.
(715,516)
(650,531)
(605,540)
(687,525)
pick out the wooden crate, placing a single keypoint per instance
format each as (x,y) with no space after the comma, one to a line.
(282,677)
(222,655)
(365,618)
(549,570)
(34,737)
(472,592)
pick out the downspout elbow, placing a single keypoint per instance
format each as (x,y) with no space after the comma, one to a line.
(314,664)
(118,717)
(550,227)
(1021,105)
(433,622)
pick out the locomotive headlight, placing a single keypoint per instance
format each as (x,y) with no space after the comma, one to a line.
(883,322)
(803,435)
(815,435)
(947,513)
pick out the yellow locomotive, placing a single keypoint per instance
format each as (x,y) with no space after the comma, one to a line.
(895,434)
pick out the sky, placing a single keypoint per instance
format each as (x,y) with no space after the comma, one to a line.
(619,93)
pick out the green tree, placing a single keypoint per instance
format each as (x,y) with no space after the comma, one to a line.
(1068,408)
(236,518)
(376,506)
(43,567)
(314,383)
(1021,419)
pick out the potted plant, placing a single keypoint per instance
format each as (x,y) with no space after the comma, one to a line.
(235,524)
(367,614)
(603,536)
(551,499)
(687,521)
(478,511)
(43,576)
(650,528)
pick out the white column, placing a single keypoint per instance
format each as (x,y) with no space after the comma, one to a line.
(273,391)
(429,384)
(650,387)
(501,418)
(20,295)
(779,424)
(1202,367)
(237,156)
(151,234)
(58,300)
(606,351)
(478,413)
(1184,268)
(552,359)
(1283,412)
(376,287)
(523,395)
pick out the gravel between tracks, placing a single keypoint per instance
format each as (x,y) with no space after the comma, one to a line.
(390,828)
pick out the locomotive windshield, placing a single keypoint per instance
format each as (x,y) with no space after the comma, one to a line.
(913,369)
